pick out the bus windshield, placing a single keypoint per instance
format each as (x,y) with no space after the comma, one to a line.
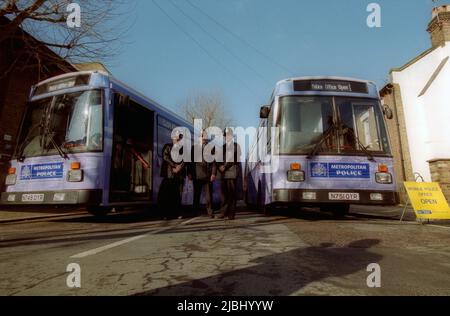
(331,125)
(68,123)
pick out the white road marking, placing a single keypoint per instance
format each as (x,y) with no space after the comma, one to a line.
(126,241)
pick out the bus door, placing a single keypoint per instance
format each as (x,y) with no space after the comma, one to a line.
(132,155)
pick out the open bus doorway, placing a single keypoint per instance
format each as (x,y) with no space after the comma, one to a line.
(132,155)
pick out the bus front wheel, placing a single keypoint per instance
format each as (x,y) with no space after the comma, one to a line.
(98,211)
(268,210)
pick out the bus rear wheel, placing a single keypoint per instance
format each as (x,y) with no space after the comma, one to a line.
(338,210)
(268,210)
(98,211)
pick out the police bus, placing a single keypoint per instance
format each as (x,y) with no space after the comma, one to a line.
(88,139)
(328,139)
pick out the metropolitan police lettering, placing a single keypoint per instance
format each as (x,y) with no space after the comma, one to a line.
(42,171)
(340,170)
(350,170)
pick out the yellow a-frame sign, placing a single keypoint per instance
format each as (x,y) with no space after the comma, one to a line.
(427,200)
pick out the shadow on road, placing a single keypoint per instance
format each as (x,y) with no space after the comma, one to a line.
(314,214)
(146,215)
(132,215)
(142,221)
(52,236)
(282,274)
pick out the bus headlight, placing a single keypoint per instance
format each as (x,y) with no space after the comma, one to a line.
(75,176)
(383,178)
(11,179)
(296,176)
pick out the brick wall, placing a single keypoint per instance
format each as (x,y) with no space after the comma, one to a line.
(439,29)
(440,173)
(14,91)
(391,96)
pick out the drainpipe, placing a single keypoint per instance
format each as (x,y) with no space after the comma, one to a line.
(400,141)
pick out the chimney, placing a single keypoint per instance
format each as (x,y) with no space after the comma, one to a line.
(439,27)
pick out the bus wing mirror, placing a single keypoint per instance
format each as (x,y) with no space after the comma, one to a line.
(264,112)
(387,111)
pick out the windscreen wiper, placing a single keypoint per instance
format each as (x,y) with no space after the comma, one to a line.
(364,149)
(20,156)
(62,153)
(323,138)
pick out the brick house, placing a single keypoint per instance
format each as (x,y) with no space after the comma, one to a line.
(21,68)
(419,95)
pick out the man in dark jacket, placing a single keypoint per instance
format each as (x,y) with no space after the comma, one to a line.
(203,175)
(173,174)
(229,170)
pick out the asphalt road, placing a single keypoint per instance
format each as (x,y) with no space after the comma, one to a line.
(291,253)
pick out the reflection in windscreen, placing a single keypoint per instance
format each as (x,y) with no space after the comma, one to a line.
(73,121)
(303,122)
(366,126)
(362,125)
(307,125)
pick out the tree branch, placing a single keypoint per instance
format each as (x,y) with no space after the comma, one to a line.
(17,21)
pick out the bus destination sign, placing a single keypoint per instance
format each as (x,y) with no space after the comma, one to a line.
(331,86)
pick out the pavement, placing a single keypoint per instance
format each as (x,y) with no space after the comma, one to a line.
(293,252)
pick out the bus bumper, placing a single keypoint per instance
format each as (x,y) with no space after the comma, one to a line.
(72,197)
(366,197)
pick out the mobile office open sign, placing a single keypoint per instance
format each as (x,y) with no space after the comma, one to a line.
(428,200)
(42,171)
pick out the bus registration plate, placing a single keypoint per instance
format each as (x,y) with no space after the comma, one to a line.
(33,198)
(343,196)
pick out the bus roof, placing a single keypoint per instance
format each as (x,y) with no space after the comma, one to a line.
(133,94)
(147,99)
(325,78)
(287,86)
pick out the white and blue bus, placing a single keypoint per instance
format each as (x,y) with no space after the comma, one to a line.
(88,139)
(331,146)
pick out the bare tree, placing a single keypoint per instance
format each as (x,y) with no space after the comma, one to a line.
(96,38)
(208,106)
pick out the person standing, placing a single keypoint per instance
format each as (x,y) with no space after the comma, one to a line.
(173,174)
(203,175)
(229,170)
